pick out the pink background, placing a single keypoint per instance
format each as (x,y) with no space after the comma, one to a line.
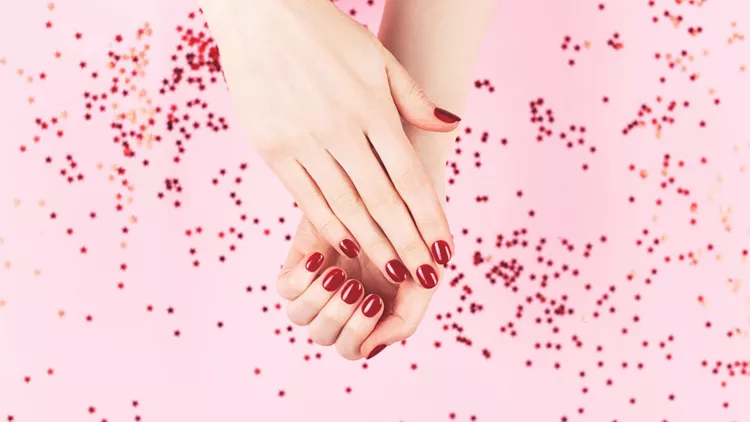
(55,365)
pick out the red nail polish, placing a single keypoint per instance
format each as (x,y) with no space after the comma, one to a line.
(334,279)
(396,270)
(351,292)
(427,276)
(379,348)
(349,248)
(314,262)
(441,251)
(446,116)
(372,305)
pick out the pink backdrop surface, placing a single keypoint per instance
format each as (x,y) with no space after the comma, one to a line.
(602,265)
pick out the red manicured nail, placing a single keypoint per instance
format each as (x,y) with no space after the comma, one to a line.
(379,348)
(372,305)
(314,262)
(351,292)
(349,248)
(427,276)
(441,251)
(396,270)
(446,116)
(334,279)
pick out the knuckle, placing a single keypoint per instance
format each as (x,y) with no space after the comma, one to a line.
(416,92)
(384,200)
(305,197)
(430,225)
(412,181)
(379,247)
(328,227)
(346,202)
(411,248)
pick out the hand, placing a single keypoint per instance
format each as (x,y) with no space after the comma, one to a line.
(321,101)
(314,279)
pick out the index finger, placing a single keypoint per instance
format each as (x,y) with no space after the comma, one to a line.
(413,185)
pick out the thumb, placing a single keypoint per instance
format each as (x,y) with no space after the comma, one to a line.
(411,101)
(409,307)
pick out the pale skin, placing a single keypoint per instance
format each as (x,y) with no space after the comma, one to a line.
(327,86)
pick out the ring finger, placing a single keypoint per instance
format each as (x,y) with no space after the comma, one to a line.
(359,326)
(306,307)
(327,325)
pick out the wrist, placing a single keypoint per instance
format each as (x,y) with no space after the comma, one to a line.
(433,149)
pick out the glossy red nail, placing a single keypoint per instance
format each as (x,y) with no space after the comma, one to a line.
(351,292)
(379,348)
(427,276)
(441,251)
(446,116)
(334,279)
(372,305)
(349,248)
(396,270)
(314,262)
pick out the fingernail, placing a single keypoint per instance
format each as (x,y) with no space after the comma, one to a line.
(427,276)
(446,116)
(396,270)
(441,251)
(379,348)
(351,292)
(314,262)
(349,248)
(372,305)
(334,279)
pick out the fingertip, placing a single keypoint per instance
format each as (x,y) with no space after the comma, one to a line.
(396,271)
(349,248)
(372,306)
(446,116)
(374,352)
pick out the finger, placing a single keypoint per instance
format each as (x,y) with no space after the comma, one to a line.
(412,102)
(409,308)
(326,326)
(294,280)
(414,186)
(344,199)
(359,326)
(305,241)
(312,202)
(387,208)
(306,307)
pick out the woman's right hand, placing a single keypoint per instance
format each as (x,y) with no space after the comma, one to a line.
(321,101)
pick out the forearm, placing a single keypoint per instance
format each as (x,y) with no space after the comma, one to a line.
(437,41)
